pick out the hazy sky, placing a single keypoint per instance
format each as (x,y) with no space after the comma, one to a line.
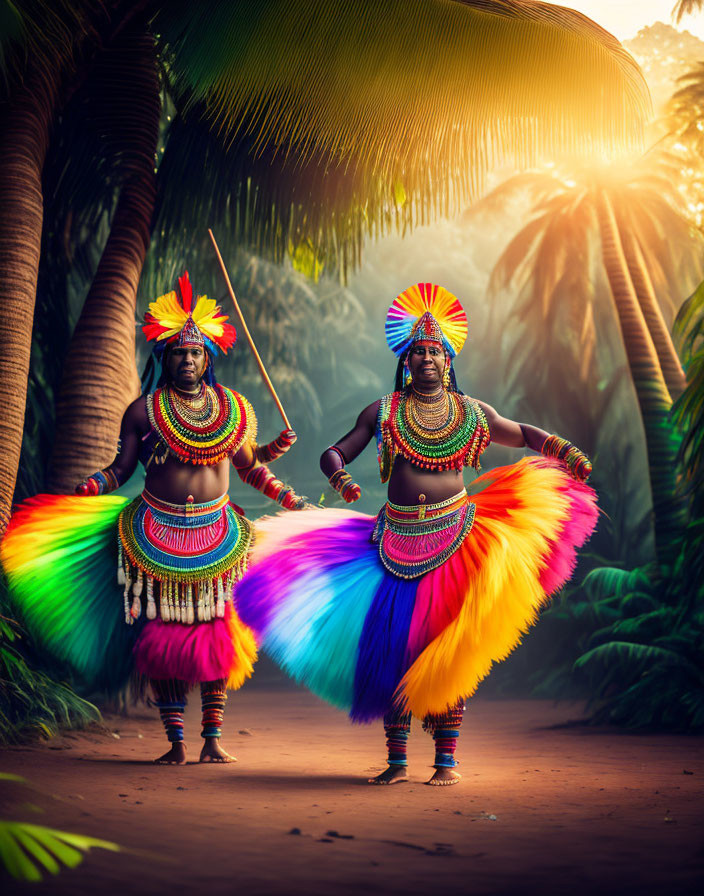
(624,18)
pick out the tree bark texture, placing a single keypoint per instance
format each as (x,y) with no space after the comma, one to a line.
(100,377)
(26,125)
(670,510)
(670,364)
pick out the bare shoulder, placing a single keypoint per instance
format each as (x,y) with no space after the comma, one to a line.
(367,419)
(491,414)
(371,411)
(135,417)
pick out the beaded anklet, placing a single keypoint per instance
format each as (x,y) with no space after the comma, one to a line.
(397,729)
(213,697)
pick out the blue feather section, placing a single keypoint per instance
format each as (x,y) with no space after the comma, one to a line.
(314,634)
(381,661)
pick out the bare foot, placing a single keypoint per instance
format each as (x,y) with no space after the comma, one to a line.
(175,756)
(213,752)
(443,777)
(394,774)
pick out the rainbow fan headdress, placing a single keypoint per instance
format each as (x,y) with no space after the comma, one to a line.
(426,311)
(174,319)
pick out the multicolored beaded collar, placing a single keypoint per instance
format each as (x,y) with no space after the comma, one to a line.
(203,430)
(456,444)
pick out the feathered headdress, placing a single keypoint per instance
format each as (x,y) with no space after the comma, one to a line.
(173,320)
(426,311)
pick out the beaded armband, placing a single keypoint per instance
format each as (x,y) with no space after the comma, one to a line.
(343,483)
(576,461)
(276,449)
(99,483)
(260,477)
(338,452)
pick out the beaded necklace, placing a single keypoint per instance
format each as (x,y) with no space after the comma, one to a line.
(446,433)
(204,428)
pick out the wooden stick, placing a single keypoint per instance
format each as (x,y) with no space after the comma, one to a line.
(240,316)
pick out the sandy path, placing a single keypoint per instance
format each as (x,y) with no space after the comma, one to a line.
(576,810)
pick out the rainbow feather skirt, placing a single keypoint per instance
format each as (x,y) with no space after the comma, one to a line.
(60,557)
(327,610)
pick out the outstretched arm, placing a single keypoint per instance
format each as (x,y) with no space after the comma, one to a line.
(259,476)
(134,424)
(519,435)
(345,450)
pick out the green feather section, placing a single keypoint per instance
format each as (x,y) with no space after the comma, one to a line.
(60,557)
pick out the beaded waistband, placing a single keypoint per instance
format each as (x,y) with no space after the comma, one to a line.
(186,556)
(415,540)
(191,514)
(413,512)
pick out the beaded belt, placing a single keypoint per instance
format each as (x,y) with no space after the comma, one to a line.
(185,556)
(414,540)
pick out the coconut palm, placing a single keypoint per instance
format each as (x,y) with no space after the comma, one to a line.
(633,218)
(376,115)
(685,7)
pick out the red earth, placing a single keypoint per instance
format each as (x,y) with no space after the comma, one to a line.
(543,807)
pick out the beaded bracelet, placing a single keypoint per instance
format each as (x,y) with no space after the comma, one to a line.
(276,449)
(101,482)
(575,460)
(343,483)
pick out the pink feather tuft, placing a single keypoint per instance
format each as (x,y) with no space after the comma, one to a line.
(561,558)
(203,652)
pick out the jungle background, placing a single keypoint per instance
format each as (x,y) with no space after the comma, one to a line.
(530,255)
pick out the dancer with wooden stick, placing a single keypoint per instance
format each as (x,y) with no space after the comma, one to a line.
(156,599)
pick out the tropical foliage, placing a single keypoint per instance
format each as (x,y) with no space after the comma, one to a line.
(326,129)
(32,702)
(27,851)
(645,661)
(631,231)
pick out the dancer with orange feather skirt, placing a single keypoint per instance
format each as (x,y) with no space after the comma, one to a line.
(84,572)
(403,614)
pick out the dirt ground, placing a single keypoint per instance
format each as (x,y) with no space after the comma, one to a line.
(540,809)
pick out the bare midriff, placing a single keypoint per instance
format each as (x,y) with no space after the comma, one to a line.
(409,483)
(175,482)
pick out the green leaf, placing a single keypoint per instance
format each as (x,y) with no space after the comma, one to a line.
(48,848)
(40,854)
(13,857)
(623,652)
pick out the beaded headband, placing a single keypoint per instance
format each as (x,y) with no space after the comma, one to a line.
(172,319)
(189,335)
(426,311)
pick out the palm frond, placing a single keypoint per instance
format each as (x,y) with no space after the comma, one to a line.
(685,7)
(608,656)
(417,93)
(45,32)
(28,850)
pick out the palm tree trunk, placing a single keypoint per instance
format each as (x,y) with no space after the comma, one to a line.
(25,139)
(670,364)
(100,378)
(662,443)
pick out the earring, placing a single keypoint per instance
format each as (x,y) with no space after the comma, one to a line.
(446,377)
(406,373)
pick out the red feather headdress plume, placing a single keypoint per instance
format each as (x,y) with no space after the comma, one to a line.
(173,318)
